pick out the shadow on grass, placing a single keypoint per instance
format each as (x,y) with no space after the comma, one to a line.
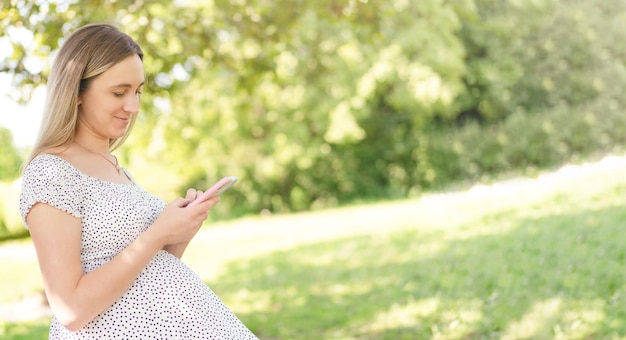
(538,278)
(556,275)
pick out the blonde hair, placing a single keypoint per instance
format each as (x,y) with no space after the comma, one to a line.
(88,52)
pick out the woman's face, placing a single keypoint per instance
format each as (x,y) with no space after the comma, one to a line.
(111,99)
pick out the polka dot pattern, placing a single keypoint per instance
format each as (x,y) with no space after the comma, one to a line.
(167,300)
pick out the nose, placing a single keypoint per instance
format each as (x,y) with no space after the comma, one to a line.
(131,104)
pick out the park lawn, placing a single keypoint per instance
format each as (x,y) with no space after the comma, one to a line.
(535,258)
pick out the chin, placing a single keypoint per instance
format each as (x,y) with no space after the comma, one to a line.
(117,135)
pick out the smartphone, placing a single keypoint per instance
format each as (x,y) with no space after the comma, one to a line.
(216,190)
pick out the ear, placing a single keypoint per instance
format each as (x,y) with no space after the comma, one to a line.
(79,101)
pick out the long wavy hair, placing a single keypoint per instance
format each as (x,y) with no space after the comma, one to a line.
(88,52)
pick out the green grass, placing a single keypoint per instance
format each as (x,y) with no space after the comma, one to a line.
(528,259)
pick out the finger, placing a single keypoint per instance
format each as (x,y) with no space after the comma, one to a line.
(191,194)
(182,202)
(213,201)
(198,193)
(208,204)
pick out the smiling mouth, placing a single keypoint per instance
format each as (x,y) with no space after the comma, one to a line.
(124,121)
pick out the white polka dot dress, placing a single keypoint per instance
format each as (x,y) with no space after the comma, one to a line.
(168,300)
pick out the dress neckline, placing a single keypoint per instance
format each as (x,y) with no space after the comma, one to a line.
(132,182)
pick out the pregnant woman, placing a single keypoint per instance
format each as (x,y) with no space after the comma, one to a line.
(109,252)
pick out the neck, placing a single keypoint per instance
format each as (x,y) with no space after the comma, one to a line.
(95,145)
(106,156)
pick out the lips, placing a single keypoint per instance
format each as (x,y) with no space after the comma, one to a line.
(122,122)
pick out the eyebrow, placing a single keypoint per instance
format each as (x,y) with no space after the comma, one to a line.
(126,85)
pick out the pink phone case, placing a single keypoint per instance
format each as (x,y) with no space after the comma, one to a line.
(216,190)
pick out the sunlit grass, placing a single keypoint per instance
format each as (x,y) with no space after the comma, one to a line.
(30,330)
(19,271)
(526,259)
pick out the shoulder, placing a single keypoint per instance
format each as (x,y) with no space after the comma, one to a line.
(54,157)
(52,180)
(46,161)
(48,169)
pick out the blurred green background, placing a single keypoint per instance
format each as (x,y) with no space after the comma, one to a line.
(317,104)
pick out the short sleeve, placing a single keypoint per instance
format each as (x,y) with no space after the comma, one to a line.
(51,180)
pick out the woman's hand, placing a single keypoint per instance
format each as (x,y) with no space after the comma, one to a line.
(178,224)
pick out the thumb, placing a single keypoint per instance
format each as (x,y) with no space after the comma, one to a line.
(181,202)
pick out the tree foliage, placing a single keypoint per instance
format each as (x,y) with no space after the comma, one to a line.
(313,103)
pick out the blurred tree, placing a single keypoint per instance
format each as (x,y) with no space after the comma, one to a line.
(322,104)
(324,101)
(528,56)
(312,103)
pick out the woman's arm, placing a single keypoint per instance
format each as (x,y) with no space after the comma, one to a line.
(176,249)
(75,297)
